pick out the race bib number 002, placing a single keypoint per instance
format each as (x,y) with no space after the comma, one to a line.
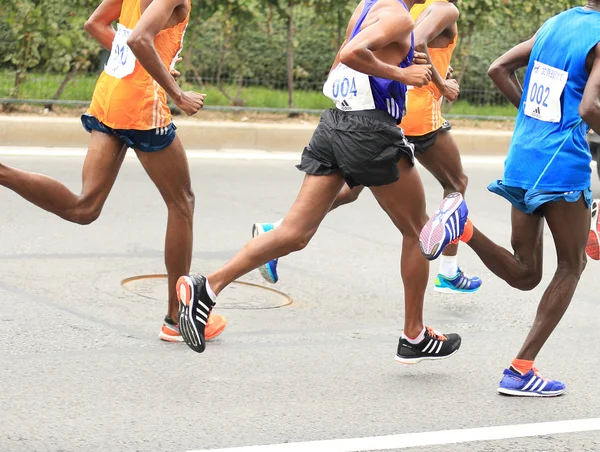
(349,89)
(546,85)
(121,62)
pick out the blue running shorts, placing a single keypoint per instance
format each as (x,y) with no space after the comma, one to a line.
(530,201)
(144,140)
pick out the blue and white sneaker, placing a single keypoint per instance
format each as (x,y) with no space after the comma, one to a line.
(268,270)
(446,226)
(461,283)
(529,385)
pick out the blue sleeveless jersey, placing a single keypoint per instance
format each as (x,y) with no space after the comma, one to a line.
(389,95)
(554,155)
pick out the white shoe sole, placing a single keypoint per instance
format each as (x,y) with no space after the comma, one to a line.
(452,291)
(512,392)
(411,361)
(433,233)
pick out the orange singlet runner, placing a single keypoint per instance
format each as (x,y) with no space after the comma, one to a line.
(424,105)
(126,96)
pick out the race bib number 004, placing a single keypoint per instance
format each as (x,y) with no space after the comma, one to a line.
(121,62)
(349,89)
(546,86)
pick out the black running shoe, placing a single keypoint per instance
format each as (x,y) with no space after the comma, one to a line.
(195,307)
(434,346)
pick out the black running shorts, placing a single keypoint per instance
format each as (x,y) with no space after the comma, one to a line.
(426,141)
(365,147)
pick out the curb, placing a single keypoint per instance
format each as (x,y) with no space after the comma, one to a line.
(40,131)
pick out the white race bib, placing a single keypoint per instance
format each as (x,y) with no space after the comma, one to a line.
(121,62)
(349,89)
(546,85)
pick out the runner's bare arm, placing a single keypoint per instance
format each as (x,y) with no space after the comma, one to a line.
(503,71)
(358,53)
(141,43)
(589,109)
(435,23)
(349,30)
(99,25)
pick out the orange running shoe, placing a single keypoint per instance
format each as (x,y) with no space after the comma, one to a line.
(593,245)
(170,330)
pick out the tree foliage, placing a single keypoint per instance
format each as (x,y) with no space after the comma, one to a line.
(235,43)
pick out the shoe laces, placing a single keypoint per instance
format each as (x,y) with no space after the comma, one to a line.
(432,333)
(537,373)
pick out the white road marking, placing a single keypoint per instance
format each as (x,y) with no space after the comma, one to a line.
(224,154)
(408,440)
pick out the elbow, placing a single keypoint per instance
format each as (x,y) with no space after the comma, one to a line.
(496,71)
(90,25)
(137,42)
(348,57)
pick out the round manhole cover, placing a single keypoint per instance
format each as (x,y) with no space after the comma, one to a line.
(239,295)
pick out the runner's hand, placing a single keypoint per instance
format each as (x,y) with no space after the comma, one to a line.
(174,72)
(190,102)
(451,90)
(420,58)
(416,75)
(450,72)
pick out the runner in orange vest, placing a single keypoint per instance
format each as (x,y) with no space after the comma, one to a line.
(436,34)
(129,110)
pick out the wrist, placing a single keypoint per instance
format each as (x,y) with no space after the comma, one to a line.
(177,95)
(400,75)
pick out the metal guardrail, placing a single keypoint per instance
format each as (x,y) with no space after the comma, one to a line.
(39,89)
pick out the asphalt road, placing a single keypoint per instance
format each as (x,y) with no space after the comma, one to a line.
(81,366)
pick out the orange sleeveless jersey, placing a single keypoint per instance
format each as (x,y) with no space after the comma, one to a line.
(424,105)
(136,101)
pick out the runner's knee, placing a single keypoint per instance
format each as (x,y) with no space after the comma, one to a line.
(573,266)
(293,238)
(182,205)
(84,214)
(528,280)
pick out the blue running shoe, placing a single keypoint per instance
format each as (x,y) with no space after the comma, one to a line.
(461,283)
(529,385)
(445,227)
(268,270)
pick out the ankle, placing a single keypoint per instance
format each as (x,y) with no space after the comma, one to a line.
(213,288)
(521,366)
(413,332)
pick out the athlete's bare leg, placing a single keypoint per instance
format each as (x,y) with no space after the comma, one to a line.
(299,225)
(404,202)
(442,160)
(169,170)
(101,166)
(569,224)
(347,195)
(522,268)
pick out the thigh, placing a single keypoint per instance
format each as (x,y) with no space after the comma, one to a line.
(569,223)
(314,200)
(404,200)
(169,170)
(101,166)
(442,159)
(527,239)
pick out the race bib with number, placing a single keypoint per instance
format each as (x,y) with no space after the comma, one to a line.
(546,85)
(349,89)
(121,62)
